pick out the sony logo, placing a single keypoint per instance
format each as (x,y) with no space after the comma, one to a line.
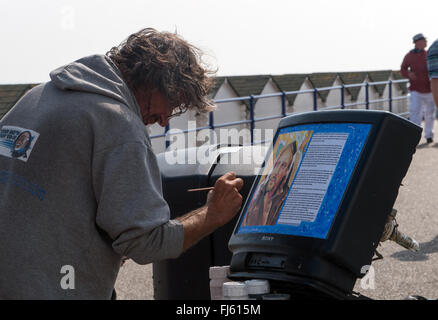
(267,238)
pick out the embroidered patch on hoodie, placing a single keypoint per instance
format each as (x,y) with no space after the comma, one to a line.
(16,142)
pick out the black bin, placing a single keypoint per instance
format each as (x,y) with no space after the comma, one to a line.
(187,277)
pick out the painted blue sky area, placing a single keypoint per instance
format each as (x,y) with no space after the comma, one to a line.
(357,135)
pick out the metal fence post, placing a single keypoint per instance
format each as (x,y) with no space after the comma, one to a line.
(315,99)
(342,97)
(251,116)
(211,126)
(390,95)
(166,130)
(211,120)
(283,104)
(367,95)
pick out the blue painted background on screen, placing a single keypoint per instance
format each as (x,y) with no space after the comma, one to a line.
(357,135)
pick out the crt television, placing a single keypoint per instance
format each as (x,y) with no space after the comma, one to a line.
(318,207)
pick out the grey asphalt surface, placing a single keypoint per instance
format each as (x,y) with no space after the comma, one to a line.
(400,273)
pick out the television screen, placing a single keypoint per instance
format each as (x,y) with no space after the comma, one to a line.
(303,179)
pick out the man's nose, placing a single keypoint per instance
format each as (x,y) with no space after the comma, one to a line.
(163,121)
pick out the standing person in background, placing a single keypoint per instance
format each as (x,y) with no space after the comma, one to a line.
(432,66)
(414,67)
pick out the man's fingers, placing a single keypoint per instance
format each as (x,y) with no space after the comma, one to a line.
(229,175)
(230,178)
(238,183)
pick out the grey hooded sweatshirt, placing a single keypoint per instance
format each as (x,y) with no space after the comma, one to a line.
(79,187)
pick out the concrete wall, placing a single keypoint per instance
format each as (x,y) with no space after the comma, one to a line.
(229,112)
(399,106)
(265,108)
(334,96)
(304,101)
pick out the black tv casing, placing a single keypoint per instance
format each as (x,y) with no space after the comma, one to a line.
(334,264)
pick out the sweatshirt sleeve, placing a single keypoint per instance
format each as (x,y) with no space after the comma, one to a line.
(131,208)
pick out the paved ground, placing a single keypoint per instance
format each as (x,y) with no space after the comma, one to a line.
(401,272)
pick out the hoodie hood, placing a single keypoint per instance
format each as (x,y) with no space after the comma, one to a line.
(95,74)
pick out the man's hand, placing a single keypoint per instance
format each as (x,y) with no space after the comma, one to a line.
(225,200)
(222,205)
(412,76)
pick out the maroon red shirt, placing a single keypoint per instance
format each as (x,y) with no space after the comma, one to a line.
(415,61)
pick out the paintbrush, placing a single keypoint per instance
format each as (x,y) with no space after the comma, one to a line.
(200,189)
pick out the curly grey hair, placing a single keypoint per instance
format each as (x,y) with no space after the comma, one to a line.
(166,62)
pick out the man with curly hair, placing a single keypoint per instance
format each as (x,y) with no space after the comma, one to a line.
(86,191)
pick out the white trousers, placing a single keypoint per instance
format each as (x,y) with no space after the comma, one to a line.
(422,104)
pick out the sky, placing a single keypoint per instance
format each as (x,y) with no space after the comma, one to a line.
(238,37)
